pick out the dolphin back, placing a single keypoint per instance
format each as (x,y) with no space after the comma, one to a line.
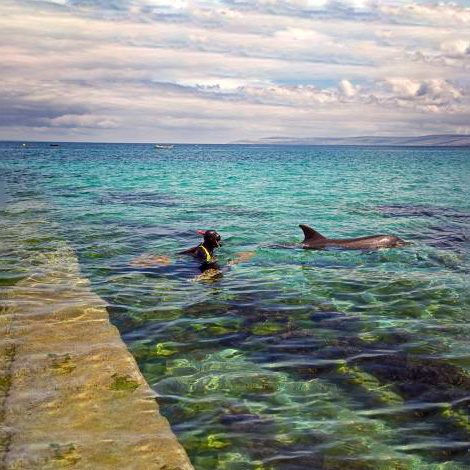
(311,234)
(315,240)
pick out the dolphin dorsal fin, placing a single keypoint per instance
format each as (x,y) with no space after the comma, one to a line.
(311,234)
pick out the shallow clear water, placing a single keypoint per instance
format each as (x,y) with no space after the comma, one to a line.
(293,359)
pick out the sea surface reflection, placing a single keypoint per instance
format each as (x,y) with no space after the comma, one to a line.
(293,359)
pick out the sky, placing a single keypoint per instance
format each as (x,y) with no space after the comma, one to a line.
(218,71)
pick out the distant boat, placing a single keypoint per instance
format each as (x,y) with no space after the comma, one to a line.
(163,146)
(54,145)
(24,145)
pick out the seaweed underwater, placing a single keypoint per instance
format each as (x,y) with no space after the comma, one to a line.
(234,375)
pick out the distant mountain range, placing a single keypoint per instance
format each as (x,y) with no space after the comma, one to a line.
(422,141)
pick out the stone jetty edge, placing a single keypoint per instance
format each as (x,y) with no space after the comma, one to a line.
(71,393)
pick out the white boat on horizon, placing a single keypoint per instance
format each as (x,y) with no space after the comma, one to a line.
(163,146)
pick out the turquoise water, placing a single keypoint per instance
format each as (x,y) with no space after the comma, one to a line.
(293,359)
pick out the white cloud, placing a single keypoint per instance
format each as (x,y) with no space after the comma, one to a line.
(204,68)
(58,2)
(456,48)
(404,87)
(450,13)
(348,89)
(87,121)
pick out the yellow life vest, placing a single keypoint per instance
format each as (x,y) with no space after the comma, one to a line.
(208,256)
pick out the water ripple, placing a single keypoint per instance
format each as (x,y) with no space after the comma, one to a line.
(294,359)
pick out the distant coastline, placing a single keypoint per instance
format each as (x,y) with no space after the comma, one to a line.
(450,140)
(438,140)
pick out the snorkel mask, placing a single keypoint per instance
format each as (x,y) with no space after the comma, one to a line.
(211,237)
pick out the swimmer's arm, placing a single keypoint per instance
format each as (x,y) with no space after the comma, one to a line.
(196,252)
(241,257)
(215,271)
(148,260)
(190,251)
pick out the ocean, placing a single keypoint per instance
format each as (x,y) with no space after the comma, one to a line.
(292,358)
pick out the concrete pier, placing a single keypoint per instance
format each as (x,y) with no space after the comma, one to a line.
(71,394)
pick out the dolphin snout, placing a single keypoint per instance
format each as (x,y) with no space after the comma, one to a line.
(400,242)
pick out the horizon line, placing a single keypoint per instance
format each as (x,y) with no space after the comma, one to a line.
(262,141)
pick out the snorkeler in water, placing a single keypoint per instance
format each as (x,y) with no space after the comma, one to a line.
(205,250)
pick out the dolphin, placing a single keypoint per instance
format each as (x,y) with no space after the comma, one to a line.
(316,241)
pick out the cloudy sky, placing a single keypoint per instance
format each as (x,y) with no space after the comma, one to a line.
(215,71)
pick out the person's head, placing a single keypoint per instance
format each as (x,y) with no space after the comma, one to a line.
(212,238)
